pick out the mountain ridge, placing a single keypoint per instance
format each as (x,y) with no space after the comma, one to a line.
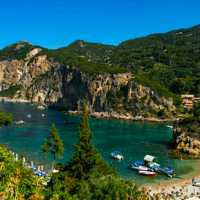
(162,66)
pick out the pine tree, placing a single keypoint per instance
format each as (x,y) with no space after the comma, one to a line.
(86,160)
(53,144)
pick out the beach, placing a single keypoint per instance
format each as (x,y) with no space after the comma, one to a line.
(175,189)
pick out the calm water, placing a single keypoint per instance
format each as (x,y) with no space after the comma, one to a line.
(134,139)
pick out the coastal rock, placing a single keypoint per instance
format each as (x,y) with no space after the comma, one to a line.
(65,87)
(186,142)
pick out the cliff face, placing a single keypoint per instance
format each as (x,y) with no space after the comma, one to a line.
(186,135)
(46,81)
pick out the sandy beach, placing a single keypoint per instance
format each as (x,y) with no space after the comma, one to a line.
(176,189)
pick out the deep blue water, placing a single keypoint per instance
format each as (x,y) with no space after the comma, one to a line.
(134,139)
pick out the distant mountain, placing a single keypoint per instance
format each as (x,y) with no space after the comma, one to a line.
(167,63)
(170,59)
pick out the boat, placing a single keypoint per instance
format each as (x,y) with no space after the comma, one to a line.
(19,122)
(169,126)
(29,116)
(149,159)
(55,171)
(196,182)
(169,171)
(117,155)
(147,173)
(141,168)
(41,107)
(40,173)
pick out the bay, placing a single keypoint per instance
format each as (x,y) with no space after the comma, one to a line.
(134,139)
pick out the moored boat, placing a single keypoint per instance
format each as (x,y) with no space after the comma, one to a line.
(19,122)
(169,126)
(117,155)
(41,107)
(169,171)
(147,173)
(141,168)
(196,182)
(28,116)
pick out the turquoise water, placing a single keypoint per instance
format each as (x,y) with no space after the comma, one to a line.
(134,139)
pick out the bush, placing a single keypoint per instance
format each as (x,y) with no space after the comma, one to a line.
(5,118)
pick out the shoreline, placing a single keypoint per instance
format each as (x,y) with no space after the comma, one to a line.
(7,99)
(177,188)
(126,117)
(99,115)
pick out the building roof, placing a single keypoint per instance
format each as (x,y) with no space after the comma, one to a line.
(187,96)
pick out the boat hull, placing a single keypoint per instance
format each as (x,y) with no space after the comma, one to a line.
(147,173)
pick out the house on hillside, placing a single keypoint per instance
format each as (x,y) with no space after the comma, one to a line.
(188,100)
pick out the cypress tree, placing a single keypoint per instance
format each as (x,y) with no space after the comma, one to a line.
(53,144)
(86,160)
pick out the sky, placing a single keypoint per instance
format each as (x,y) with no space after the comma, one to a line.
(57,23)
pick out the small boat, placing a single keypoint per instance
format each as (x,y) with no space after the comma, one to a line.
(196,182)
(40,173)
(137,163)
(141,168)
(28,116)
(154,166)
(169,171)
(117,155)
(19,122)
(41,107)
(169,126)
(55,171)
(147,173)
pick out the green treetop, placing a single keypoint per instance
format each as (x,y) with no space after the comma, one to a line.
(5,118)
(53,144)
(86,160)
(196,110)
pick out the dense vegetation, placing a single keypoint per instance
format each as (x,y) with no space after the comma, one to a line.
(11,91)
(5,118)
(53,145)
(88,57)
(168,62)
(191,124)
(16,181)
(16,51)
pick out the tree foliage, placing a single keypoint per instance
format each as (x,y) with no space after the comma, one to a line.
(53,144)
(86,160)
(5,118)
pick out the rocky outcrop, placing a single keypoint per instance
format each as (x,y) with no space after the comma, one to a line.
(66,87)
(186,142)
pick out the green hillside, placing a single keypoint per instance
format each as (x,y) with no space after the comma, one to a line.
(167,62)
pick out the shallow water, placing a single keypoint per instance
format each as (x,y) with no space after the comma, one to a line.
(134,139)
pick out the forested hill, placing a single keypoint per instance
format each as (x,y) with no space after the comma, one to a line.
(167,63)
(171,59)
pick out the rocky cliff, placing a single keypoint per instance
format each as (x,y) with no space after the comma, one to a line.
(38,78)
(186,134)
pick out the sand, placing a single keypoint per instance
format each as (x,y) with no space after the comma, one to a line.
(176,189)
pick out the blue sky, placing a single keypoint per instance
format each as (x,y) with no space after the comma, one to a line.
(56,23)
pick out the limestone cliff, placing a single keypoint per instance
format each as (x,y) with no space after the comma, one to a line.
(186,134)
(47,81)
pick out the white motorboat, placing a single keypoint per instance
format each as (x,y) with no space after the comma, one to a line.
(147,173)
(196,182)
(19,122)
(117,155)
